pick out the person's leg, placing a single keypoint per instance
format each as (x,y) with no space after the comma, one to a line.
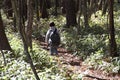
(55,50)
(51,50)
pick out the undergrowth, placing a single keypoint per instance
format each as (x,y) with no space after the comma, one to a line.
(92,45)
(18,69)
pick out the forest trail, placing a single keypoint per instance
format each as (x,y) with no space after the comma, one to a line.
(74,65)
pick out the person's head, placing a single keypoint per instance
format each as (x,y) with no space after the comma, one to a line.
(52,24)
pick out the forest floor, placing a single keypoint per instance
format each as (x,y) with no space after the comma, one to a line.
(75,65)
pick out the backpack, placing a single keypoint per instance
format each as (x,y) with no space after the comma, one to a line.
(55,38)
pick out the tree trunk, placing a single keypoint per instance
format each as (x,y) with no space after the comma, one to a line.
(4,44)
(77,5)
(21,28)
(56,3)
(85,14)
(37,9)
(8,8)
(24,10)
(44,13)
(70,13)
(30,22)
(14,23)
(25,40)
(105,7)
(63,7)
(100,4)
(113,45)
(79,15)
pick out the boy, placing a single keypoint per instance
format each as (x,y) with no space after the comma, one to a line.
(51,41)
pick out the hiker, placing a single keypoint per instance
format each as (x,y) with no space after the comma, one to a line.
(52,38)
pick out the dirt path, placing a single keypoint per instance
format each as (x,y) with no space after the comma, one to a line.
(74,64)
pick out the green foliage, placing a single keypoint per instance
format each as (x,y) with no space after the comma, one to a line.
(80,76)
(98,19)
(53,73)
(40,57)
(117,25)
(108,65)
(86,43)
(69,39)
(94,42)
(17,68)
(15,43)
(91,43)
